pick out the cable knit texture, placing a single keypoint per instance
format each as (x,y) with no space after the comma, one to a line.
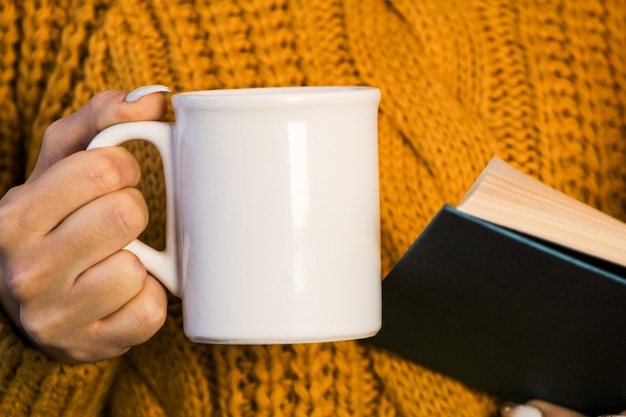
(540,83)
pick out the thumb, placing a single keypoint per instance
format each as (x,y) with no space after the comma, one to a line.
(537,408)
(74,132)
(553,410)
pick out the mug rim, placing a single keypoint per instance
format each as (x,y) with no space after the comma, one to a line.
(275,96)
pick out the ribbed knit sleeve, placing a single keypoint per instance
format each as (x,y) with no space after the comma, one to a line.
(11,146)
(33,385)
(30,383)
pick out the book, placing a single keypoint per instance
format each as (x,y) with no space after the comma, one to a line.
(506,294)
(510,198)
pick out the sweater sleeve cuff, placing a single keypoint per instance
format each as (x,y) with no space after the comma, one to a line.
(33,384)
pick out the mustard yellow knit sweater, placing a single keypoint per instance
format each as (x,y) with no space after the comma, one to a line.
(541,84)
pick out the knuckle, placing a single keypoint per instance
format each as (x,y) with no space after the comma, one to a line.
(54,129)
(111,169)
(20,279)
(152,313)
(132,274)
(11,213)
(129,211)
(98,106)
(154,316)
(42,326)
(105,171)
(105,110)
(99,101)
(9,210)
(132,265)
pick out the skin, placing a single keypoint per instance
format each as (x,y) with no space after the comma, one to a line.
(65,280)
(552,410)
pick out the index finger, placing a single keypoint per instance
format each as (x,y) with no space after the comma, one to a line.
(74,132)
(43,203)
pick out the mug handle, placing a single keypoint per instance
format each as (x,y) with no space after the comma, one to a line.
(162,264)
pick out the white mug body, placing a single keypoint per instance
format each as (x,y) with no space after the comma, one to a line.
(278,214)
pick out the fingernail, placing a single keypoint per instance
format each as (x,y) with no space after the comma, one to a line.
(515,410)
(137,93)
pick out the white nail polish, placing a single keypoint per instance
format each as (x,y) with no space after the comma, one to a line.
(526,411)
(521,411)
(137,93)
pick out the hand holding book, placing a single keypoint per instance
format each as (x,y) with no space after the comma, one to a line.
(520,291)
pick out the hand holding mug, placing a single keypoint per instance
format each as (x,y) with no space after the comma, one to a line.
(65,279)
(310,264)
(273,212)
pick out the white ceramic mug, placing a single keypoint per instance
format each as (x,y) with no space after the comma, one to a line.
(272,231)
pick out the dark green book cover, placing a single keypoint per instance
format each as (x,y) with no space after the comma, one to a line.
(509,314)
